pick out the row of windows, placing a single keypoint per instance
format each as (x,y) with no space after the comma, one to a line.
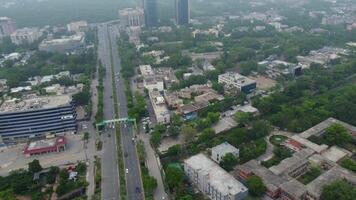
(56,129)
(36,113)
(37,126)
(33,122)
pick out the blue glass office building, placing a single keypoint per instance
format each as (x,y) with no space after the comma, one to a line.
(151,13)
(22,125)
(182,12)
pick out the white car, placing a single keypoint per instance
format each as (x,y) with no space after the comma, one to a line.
(127,171)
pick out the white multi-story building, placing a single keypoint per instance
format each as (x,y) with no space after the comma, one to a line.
(68,44)
(221,150)
(132,17)
(79,26)
(237,81)
(7,26)
(159,107)
(212,180)
(25,35)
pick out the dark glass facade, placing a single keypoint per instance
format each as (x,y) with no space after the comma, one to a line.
(182,12)
(37,123)
(151,13)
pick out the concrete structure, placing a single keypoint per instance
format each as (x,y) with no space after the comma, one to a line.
(36,117)
(292,190)
(131,17)
(294,166)
(182,12)
(68,44)
(79,26)
(212,180)
(45,146)
(25,36)
(252,167)
(3,85)
(152,83)
(146,70)
(159,107)
(235,80)
(7,26)
(151,13)
(207,97)
(221,150)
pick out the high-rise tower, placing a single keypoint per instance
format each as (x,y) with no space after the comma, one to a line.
(151,13)
(182,12)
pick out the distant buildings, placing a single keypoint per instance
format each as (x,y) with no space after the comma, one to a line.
(132,17)
(219,151)
(67,44)
(151,13)
(25,35)
(36,117)
(7,26)
(235,80)
(79,26)
(212,180)
(182,12)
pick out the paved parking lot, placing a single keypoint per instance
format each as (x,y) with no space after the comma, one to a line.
(12,158)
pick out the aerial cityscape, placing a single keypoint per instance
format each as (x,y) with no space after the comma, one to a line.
(177,99)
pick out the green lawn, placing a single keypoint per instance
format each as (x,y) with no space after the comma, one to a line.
(312,174)
(277,139)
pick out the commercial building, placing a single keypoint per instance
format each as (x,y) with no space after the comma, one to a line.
(25,36)
(151,13)
(152,83)
(7,26)
(67,44)
(219,151)
(36,117)
(131,17)
(159,107)
(79,26)
(235,80)
(146,70)
(182,12)
(212,180)
(45,146)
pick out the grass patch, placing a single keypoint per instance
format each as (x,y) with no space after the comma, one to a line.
(312,174)
(349,164)
(277,140)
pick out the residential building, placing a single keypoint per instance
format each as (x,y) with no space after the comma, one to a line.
(25,35)
(237,81)
(151,13)
(36,117)
(146,70)
(7,26)
(152,83)
(292,190)
(212,180)
(159,107)
(79,26)
(209,96)
(131,17)
(182,12)
(68,44)
(219,151)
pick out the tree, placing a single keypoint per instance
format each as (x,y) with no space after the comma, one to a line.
(213,117)
(174,176)
(260,129)
(339,189)
(34,166)
(228,161)
(255,185)
(206,135)
(186,197)
(242,117)
(81,168)
(189,133)
(337,134)
(174,150)
(149,184)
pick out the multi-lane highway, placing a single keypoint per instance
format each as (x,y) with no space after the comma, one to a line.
(110,172)
(109,56)
(132,168)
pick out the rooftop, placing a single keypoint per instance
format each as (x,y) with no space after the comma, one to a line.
(294,188)
(319,129)
(40,144)
(224,148)
(16,105)
(67,39)
(317,148)
(218,178)
(271,180)
(334,153)
(236,78)
(314,188)
(288,163)
(146,70)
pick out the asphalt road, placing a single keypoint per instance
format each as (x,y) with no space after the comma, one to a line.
(110,172)
(133,177)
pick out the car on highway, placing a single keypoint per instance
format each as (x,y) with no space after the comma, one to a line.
(127,171)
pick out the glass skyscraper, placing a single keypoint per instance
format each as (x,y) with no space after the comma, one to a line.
(182,12)
(151,13)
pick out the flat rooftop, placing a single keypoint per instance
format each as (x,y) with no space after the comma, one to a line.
(218,178)
(319,129)
(16,105)
(224,148)
(236,78)
(289,163)
(317,148)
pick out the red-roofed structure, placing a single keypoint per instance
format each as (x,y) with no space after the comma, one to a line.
(294,145)
(45,146)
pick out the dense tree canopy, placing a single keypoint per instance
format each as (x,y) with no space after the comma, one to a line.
(338,190)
